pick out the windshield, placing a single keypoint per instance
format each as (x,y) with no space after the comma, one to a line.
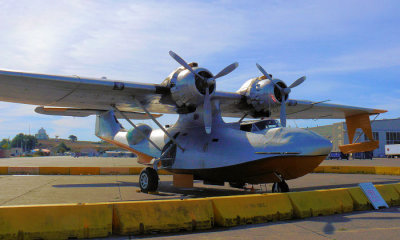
(266,124)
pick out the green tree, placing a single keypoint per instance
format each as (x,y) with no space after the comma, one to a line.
(62,148)
(26,142)
(5,144)
(73,138)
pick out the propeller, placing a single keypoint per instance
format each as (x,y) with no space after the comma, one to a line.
(209,82)
(284,92)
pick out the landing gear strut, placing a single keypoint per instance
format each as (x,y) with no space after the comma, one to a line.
(280,187)
(148,180)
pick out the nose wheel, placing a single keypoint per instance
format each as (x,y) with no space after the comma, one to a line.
(148,180)
(280,187)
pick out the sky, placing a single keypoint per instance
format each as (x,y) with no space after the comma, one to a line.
(349,50)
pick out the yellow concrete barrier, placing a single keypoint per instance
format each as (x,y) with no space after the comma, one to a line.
(54,170)
(164,172)
(3,170)
(114,171)
(56,221)
(321,202)
(162,216)
(135,170)
(319,169)
(84,170)
(237,210)
(23,170)
(389,193)
(360,201)
(387,170)
(359,170)
(397,187)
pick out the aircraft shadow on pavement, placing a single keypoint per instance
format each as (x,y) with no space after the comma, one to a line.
(166,188)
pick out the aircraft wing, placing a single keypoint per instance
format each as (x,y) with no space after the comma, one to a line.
(233,105)
(81,93)
(87,96)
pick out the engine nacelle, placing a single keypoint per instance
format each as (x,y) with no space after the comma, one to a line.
(262,95)
(187,89)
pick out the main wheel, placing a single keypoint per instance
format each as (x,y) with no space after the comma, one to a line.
(280,187)
(148,180)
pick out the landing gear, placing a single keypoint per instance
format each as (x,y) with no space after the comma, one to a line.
(148,180)
(280,187)
(237,184)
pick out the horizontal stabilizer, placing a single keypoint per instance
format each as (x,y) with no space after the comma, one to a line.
(76,112)
(353,123)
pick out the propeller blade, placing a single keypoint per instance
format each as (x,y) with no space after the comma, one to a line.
(227,70)
(268,76)
(283,111)
(183,63)
(207,112)
(264,72)
(297,82)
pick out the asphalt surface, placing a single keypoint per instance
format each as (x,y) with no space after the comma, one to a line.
(53,189)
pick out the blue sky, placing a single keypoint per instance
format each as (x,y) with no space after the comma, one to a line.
(349,50)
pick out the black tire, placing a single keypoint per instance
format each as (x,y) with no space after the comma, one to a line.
(280,187)
(148,180)
(237,184)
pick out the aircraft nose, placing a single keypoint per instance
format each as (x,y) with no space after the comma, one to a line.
(306,142)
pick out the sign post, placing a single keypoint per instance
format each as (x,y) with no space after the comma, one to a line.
(373,195)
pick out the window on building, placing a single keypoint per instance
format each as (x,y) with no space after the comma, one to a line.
(375,135)
(392,137)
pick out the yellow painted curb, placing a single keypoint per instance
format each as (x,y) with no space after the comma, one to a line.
(114,171)
(247,209)
(54,171)
(135,170)
(387,170)
(56,221)
(162,216)
(321,202)
(3,170)
(23,170)
(84,170)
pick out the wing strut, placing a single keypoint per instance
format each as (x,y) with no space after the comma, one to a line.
(133,125)
(158,124)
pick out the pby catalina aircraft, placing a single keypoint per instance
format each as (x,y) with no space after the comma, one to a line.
(200,145)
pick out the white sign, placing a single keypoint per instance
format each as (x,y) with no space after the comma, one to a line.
(373,195)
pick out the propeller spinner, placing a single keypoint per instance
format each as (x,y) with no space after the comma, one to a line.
(207,82)
(284,92)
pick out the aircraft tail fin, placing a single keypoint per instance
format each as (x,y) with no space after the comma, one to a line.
(107,125)
(359,121)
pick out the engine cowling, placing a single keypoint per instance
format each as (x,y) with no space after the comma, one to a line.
(262,95)
(187,89)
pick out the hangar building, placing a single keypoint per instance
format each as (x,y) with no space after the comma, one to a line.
(387,131)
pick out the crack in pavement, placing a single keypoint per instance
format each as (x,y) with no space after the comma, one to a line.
(320,234)
(31,190)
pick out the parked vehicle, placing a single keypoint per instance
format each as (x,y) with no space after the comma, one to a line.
(392,150)
(338,156)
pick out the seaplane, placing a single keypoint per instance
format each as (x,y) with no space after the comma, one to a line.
(200,145)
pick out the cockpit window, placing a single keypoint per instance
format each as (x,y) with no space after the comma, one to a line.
(259,125)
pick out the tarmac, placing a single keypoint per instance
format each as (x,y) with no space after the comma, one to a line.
(49,189)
